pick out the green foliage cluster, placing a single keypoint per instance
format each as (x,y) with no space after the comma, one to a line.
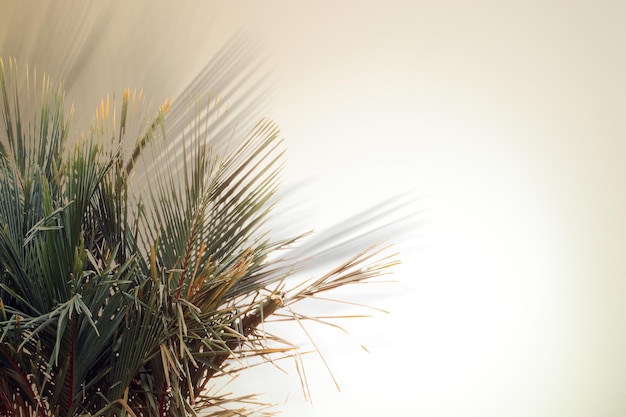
(127,297)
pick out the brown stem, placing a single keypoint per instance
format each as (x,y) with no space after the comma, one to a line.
(248,324)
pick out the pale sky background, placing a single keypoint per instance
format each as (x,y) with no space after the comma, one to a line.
(505,121)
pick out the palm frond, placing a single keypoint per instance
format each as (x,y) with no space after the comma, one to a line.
(137,265)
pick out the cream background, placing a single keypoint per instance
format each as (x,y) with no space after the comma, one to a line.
(504,119)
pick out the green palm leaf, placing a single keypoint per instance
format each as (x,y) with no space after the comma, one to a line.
(137,263)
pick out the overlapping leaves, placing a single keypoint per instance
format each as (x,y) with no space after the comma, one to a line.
(121,296)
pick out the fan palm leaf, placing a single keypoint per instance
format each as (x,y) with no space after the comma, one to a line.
(127,297)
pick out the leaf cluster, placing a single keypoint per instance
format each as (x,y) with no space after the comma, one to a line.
(125,297)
